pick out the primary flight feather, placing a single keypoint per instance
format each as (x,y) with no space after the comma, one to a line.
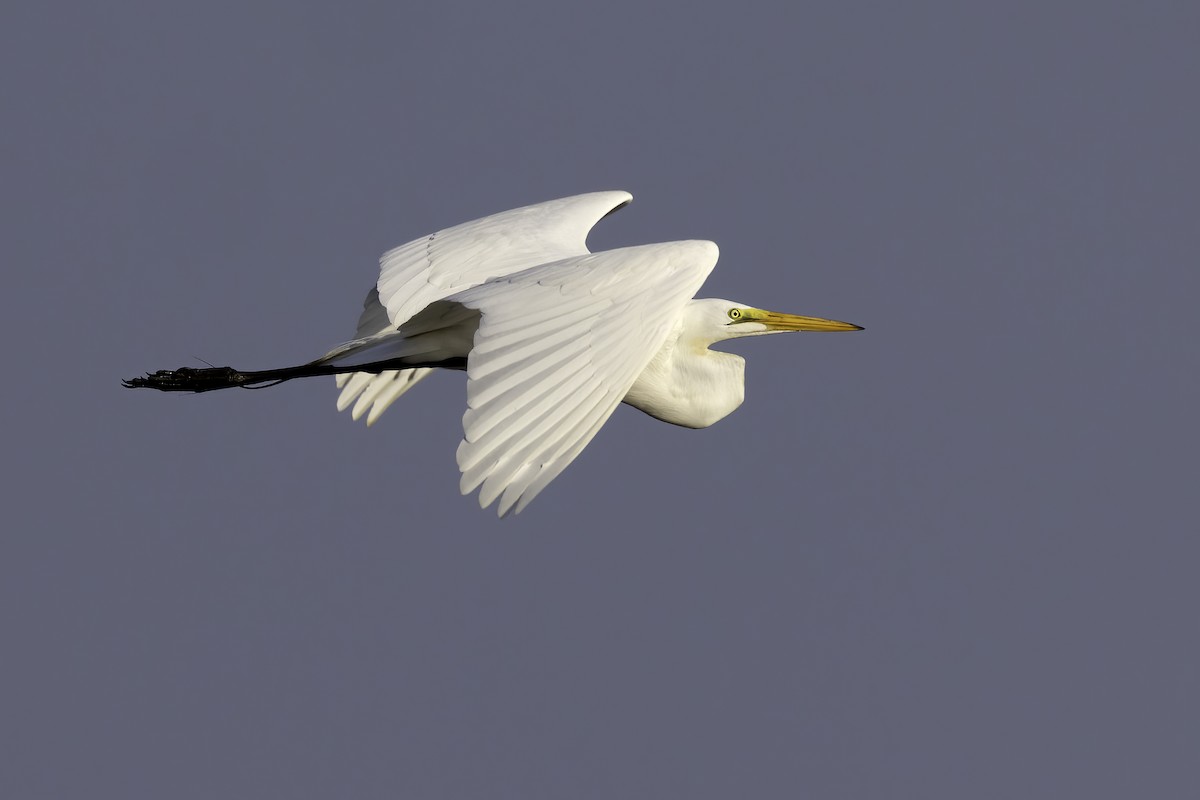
(552,338)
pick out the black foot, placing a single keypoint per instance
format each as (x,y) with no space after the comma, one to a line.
(187,379)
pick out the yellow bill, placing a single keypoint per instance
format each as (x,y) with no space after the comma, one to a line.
(793,322)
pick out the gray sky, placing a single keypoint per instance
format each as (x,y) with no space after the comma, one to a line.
(953,556)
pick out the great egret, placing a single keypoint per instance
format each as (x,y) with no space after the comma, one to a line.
(552,338)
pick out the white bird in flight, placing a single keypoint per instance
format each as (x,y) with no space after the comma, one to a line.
(552,337)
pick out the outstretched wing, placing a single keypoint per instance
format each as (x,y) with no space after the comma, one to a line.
(434,267)
(557,348)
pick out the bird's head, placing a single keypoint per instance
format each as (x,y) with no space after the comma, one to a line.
(717,320)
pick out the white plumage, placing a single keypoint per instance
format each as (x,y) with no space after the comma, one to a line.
(553,337)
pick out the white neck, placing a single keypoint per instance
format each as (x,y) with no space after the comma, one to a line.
(687,384)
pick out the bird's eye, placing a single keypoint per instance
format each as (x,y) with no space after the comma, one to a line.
(735,313)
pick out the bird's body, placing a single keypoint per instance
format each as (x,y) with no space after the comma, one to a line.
(552,338)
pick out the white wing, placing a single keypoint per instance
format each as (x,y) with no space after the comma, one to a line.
(557,348)
(436,266)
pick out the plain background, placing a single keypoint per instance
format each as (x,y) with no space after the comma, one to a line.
(952,556)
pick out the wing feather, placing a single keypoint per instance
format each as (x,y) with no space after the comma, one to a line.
(567,307)
(515,448)
(541,381)
(370,390)
(516,351)
(366,400)
(352,385)
(518,400)
(401,383)
(481,391)
(531,481)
